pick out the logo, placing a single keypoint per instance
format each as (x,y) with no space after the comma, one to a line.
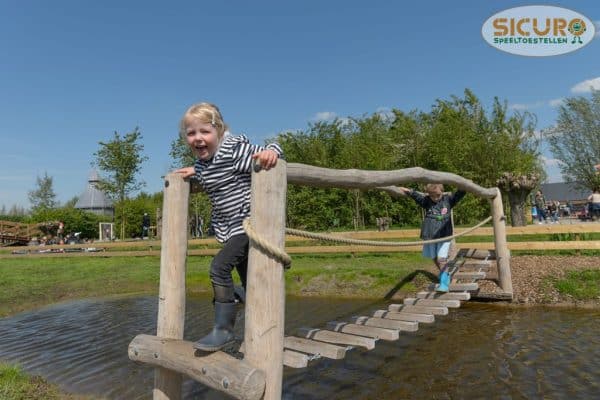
(538,31)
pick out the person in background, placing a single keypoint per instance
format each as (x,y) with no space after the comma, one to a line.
(594,204)
(145,225)
(436,224)
(540,204)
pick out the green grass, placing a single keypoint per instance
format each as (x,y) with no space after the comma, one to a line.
(16,385)
(28,283)
(580,285)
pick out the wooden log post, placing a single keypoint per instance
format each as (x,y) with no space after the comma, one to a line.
(265,299)
(502,252)
(171,294)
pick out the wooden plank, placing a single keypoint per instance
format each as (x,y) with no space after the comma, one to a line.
(492,296)
(418,309)
(218,370)
(293,359)
(444,296)
(410,301)
(404,316)
(313,347)
(476,253)
(458,287)
(469,275)
(337,337)
(369,331)
(408,326)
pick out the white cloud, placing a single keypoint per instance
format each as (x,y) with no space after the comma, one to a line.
(385,113)
(523,106)
(586,86)
(324,116)
(556,102)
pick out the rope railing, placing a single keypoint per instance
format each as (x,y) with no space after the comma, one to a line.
(281,256)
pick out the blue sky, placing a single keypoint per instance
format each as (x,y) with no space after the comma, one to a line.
(73,72)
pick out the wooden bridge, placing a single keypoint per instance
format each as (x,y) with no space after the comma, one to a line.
(265,348)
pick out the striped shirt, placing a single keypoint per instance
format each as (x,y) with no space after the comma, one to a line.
(226,180)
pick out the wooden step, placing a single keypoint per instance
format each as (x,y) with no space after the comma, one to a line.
(404,316)
(337,337)
(408,326)
(470,265)
(457,287)
(476,253)
(409,301)
(469,275)
(293,359)
(444,296)
(418,309)
(368,331)
(313,347)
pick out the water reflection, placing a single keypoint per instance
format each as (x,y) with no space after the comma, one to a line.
(477,352)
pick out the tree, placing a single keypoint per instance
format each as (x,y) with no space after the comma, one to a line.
(43,197)
(518,188)
(121,160)
(575,140)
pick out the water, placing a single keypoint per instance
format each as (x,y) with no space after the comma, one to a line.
(476,352)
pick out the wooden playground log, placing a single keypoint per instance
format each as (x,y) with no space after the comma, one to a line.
(314,347)
(220,371)
(477,254)
(444,296)
(431,302)
(171,292)
(407,326)
(458,287)
(265,299)
(404,316)
(418,309)
(309,175)
(500,244)
(337,338)
(369,331)
(293,359)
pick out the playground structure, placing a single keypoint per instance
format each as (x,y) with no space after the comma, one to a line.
(20,234)
(266,350)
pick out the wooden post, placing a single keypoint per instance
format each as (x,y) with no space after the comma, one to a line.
(171,294)
(502,252)
(265,299)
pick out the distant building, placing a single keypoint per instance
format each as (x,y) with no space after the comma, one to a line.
(564,192)
(94,200)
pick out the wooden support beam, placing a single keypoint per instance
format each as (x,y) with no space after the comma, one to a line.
(265,298)
(444,296)
(418,309)
(407,326)
(337,337)
(369,331)
(477,253)
(500,244)
(171,292)
(314,347)
(410,301)
(404,316)
(218,370)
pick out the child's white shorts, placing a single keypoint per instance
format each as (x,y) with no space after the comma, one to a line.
(439,250)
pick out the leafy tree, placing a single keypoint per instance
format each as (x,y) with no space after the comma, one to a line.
(43,196)
(575,140)
(121,159)
(75,220)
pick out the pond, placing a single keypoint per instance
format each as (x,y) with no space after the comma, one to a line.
(477,352)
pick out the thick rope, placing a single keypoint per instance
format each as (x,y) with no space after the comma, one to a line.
(285,259)
(319,236)
(264,246)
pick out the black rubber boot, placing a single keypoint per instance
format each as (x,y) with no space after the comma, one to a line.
(222,333)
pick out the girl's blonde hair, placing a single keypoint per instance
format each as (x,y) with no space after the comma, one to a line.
(430,187)
(207,113)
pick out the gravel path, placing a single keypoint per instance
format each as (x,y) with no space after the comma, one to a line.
(529,275)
